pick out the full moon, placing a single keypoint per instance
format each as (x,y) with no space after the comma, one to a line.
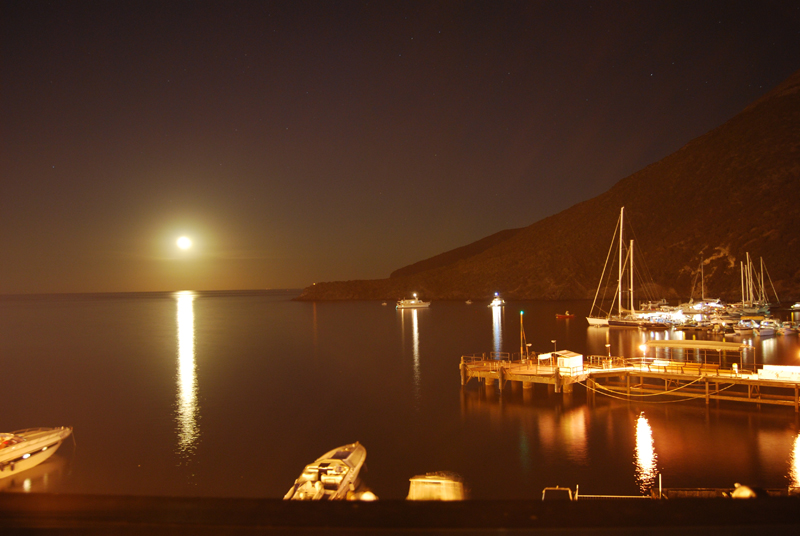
(184,242)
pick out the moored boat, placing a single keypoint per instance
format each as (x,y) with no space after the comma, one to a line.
(497,301)
(787,328)
(627,316)
(332,476)
(413,303)
(24,449)
(438,486)
(766,328)
(565,314)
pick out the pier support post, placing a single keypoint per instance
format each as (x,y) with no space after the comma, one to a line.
(463,368)
(628,384)
(796,398)
(707,398)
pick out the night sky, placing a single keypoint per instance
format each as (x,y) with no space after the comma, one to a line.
(296,142)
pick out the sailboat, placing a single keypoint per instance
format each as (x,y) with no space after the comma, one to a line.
(627,318)
(754,290)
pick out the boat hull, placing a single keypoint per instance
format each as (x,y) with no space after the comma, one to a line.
(419,305)
(332,476)
(26,449)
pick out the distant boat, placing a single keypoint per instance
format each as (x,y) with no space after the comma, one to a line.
(469,302)
(413,303)
(497,301)
(24,449)
(331,476)
(384,303)
(565,314)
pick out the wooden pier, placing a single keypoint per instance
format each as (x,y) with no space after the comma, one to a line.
(648,378)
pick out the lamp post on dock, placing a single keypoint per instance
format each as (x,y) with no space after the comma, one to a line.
(554,345)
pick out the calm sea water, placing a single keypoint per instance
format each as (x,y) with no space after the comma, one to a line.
(230,395)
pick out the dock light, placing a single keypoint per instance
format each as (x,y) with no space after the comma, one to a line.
(608,349)
(26,456)
(554,345)
(643,348)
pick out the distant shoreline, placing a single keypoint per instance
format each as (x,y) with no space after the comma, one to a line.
(149,294)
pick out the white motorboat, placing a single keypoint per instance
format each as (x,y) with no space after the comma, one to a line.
(766,328)
(27,448)
(413,303)
(787,328)
(333,476)
(497,301)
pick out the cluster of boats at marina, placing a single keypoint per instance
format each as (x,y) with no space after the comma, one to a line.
(750,316)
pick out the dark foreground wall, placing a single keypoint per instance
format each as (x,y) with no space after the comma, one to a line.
(86,514)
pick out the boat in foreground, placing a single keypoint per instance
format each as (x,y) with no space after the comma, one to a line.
(24,449)
(331,477)
(437,486)
(413,303)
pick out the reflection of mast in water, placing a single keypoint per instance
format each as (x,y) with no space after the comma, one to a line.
(497,329)
(415,339)
(187,379)
(314,326)
(646,458)
(794,460)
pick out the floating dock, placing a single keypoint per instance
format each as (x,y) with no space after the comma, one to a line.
(693,376)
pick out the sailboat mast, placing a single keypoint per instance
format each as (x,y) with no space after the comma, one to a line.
(621,244)
(741,268)
(632,307)
(749,281)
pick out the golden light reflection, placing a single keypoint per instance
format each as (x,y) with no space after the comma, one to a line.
(497,328)
(794,469)
(414,313)
(415,350)
(187,380)
(769,350)
(646,458)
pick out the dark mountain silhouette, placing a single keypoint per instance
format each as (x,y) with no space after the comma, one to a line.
(731,191)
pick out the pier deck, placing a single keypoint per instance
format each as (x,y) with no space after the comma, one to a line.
(629,378)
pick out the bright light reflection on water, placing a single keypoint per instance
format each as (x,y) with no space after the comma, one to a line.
(769,349)
(187,380)
(497,328)
(794,460)
(414,348)
(646,458)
